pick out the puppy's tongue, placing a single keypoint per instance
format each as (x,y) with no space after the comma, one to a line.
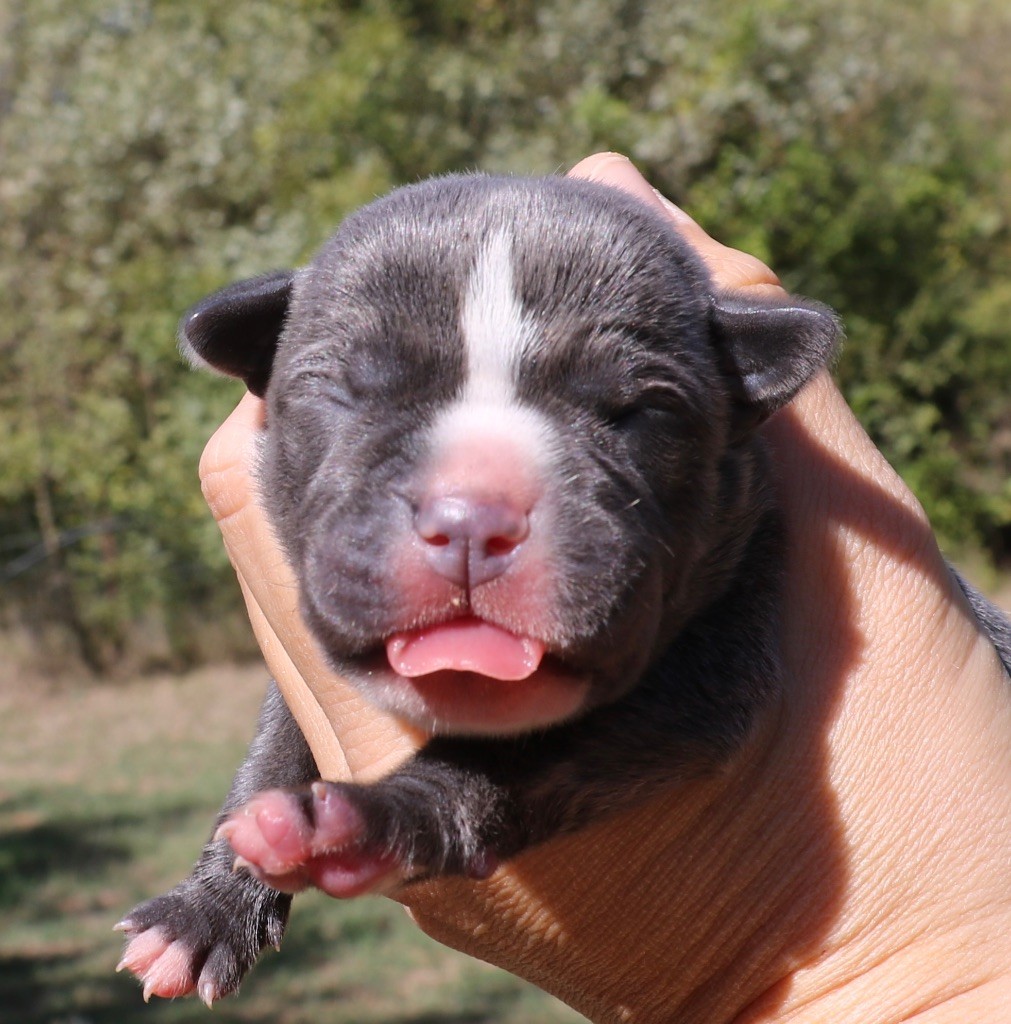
(464,645)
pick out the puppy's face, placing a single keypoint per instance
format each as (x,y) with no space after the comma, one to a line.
(503,415)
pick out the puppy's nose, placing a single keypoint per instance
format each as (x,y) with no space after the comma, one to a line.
(469,540)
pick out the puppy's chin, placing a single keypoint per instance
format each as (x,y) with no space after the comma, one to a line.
(467,704)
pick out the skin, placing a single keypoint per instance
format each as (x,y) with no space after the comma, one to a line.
(852,865)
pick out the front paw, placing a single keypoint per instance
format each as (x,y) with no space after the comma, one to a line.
(292,839)
(202,936)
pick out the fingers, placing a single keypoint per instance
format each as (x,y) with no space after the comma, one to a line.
(224,466)
(819,409)
(267,581)
(730,269)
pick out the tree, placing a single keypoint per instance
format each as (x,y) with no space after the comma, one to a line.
(153,151)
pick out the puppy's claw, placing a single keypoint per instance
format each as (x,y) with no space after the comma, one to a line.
(208,993)
(224,831)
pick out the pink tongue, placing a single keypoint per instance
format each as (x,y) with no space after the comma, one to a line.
(464,645)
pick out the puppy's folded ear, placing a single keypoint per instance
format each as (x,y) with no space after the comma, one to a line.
(235,331)
(770,349)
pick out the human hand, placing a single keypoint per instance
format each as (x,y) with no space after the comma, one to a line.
(852,867)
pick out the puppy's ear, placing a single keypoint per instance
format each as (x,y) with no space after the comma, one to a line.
(770,349)
(235,331)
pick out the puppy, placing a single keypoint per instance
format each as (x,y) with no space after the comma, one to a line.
(511,455)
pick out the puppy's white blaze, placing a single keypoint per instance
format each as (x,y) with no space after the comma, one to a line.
(493,423)
(496,331)
(497,334)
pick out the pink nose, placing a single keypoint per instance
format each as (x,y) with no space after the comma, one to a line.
(469,540)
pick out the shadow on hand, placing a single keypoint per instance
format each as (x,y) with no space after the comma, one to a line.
(707,899)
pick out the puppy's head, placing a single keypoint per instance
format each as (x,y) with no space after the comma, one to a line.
(509,433)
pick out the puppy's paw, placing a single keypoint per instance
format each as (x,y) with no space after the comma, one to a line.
(202,936)
(289,840)
(167,968)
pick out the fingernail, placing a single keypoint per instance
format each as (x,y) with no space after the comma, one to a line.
(602,166)
(613,158)
(675,211)
(609,162)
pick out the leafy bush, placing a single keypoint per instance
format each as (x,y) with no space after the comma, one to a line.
(155,150)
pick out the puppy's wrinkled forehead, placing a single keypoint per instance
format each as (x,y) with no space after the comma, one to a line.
(500,294)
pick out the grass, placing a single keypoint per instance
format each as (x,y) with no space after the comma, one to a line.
(106,794)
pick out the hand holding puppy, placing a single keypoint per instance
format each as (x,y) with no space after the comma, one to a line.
(868,827)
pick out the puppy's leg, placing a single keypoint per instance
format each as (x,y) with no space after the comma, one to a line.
(445,812)
(204,934)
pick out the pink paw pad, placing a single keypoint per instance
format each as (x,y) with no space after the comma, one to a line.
(270,833)
(165,968)
(286,848)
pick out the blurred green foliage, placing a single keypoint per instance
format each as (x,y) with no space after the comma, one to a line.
(153,150)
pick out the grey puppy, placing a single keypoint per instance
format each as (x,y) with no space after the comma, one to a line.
(511,455)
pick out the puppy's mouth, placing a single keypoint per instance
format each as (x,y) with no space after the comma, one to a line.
(464,645)
(470,676)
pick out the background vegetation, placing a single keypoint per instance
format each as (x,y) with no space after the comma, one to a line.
(153,150)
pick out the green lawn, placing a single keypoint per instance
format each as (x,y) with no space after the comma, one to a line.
(106,793)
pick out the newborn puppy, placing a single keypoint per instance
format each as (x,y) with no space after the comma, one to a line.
(511,455)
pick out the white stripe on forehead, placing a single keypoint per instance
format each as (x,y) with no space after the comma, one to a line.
(496,331)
